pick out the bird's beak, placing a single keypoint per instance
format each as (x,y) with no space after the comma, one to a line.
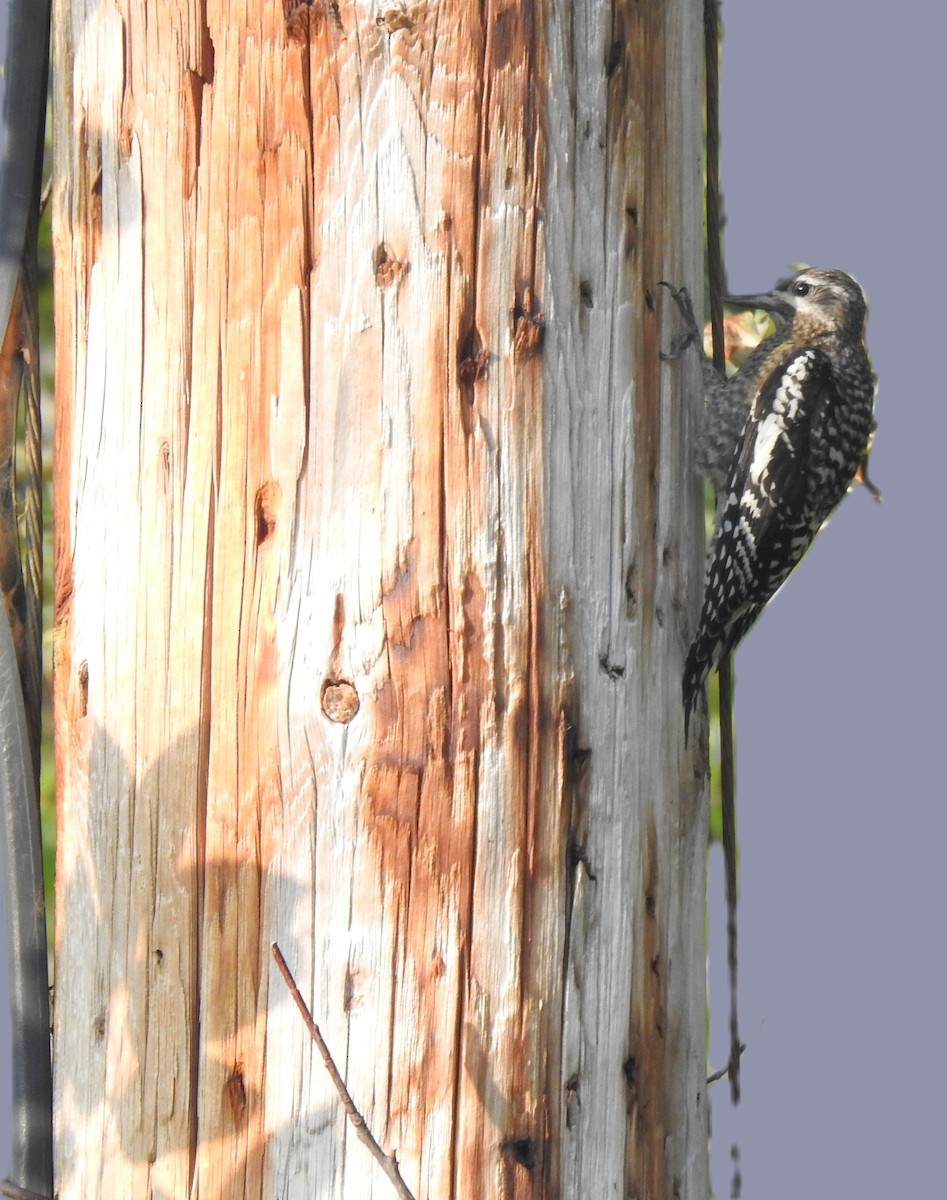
(771,302)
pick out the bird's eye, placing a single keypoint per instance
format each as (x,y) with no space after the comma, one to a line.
(800,288)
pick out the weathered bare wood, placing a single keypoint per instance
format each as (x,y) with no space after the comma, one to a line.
(376,546)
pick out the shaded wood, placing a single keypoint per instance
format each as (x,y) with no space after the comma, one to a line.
(21,494)
(377,546)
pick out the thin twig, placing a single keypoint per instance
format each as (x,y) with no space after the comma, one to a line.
(387,1162)
(715,270)
(714,1076)
(44,196)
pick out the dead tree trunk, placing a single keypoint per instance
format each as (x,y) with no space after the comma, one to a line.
(376,549)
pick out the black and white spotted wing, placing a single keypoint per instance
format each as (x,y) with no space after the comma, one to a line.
(793,468)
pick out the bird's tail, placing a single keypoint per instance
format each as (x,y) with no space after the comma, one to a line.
(696,670)
(707,649)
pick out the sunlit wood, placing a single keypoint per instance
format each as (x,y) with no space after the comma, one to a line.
(377,556)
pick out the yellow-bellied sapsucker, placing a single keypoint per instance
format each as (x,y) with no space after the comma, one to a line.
(782,442)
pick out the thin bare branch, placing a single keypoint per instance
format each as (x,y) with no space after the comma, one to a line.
(725,1071)
(387,1162)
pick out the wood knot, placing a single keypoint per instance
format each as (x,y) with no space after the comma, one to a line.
(340,700)
(474,367)
(521,1150)
(393,19)
(388,269)
(83,688)
(529,329)
(302,19)
(266,507)
(615,57)
(236,1092)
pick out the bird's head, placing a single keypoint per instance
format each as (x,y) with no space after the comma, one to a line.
(817,303)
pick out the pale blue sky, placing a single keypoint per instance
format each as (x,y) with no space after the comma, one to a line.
(833,117)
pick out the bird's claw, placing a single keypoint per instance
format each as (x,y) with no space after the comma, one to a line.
(691,335)
(872,488)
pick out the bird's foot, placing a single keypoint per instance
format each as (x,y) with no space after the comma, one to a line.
(691,335)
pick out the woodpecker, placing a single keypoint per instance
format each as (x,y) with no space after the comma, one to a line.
(782,443)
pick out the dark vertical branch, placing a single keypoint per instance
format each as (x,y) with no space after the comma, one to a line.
(23,108)
(728,817)
(715,272)
(717,287)
(21,490)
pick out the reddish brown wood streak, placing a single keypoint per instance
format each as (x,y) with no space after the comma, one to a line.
(646,1066)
